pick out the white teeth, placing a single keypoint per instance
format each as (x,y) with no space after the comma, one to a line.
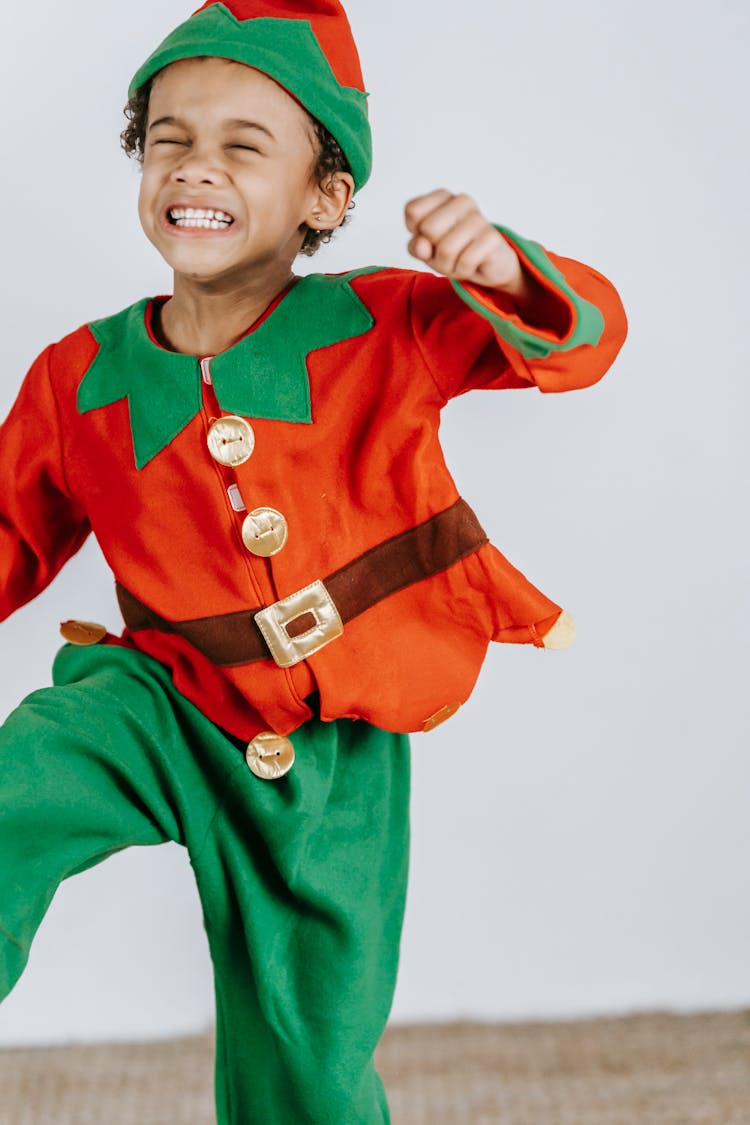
(206,224)
(177,213)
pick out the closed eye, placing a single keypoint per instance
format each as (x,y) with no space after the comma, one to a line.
(171,141)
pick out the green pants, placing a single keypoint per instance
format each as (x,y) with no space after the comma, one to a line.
(302,880)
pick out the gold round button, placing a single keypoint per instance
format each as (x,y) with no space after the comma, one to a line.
(230,440)
(82,632)
(264,532)
(270,755)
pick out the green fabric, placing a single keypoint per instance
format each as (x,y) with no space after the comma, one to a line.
(589,322)
(162,390)
(263,375)
(302,880)
(287,51)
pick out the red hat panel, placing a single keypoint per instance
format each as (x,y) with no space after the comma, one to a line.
(328,20)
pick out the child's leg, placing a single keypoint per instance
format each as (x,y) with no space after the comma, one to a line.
(303,882)
(302,879)
(100,761)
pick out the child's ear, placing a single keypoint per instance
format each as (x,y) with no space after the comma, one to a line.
(330,201)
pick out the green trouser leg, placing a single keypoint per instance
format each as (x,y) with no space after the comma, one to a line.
(302,880)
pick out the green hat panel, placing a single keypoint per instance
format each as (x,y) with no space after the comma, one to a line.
(288,51)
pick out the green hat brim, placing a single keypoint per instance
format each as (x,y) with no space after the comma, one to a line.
(287,51)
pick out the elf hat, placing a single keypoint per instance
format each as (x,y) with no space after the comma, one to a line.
(305,45)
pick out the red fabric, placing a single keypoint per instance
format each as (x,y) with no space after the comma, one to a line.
(329,23)
(370,466)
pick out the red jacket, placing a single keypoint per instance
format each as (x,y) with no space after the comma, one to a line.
(337,390)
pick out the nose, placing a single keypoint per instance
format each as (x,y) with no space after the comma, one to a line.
(197,167)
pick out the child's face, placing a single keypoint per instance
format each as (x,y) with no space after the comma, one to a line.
(261,177)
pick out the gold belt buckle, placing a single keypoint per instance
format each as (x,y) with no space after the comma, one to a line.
(299,625)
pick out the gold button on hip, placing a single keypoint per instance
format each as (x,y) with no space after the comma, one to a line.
(82,632)
(230,440)
(264,532)
(270,755)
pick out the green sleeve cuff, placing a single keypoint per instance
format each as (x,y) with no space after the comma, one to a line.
(586,322)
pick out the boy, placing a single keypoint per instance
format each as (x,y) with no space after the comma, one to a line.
(302,586)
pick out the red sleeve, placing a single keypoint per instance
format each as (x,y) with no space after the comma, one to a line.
(472,336)
(41,523)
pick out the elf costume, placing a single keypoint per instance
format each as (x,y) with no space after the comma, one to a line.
(291,555)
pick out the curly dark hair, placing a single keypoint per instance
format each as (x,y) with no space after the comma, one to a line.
(330,158)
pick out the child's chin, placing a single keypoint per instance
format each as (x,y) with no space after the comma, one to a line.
(205,264)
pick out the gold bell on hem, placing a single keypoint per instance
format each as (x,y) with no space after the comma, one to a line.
(82,632)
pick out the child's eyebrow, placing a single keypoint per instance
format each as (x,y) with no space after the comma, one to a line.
(239,123)
(234,123)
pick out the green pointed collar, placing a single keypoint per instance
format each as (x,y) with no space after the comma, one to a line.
(263,375)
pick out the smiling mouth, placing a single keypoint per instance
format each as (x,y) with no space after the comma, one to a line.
(199,218)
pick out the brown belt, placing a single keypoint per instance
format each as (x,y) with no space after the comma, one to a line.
(236,638)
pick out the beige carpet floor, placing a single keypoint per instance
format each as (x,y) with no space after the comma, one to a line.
(654,1069)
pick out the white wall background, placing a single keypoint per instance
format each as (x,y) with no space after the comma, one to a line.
(581,829)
